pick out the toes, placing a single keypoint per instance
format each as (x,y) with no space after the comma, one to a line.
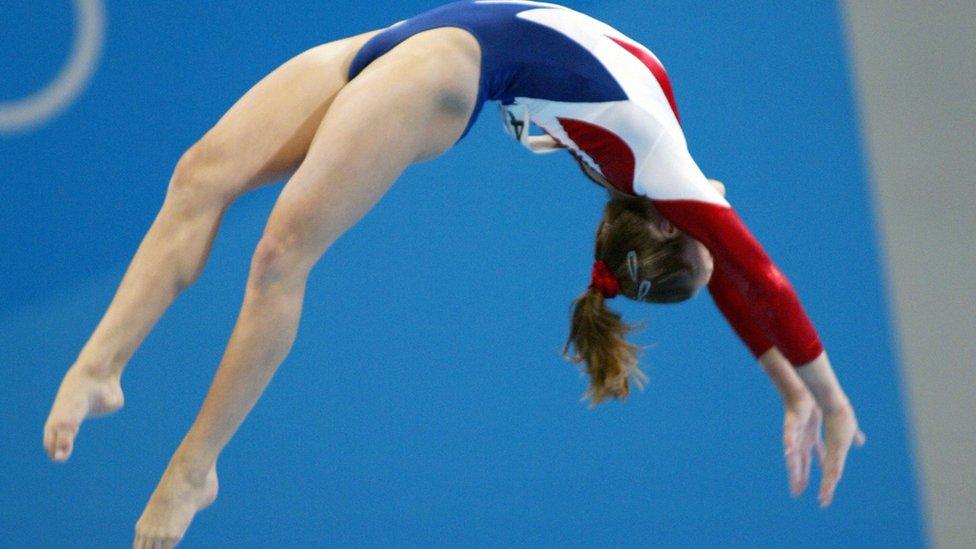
(49,441)
(63,443)
(154,542)
(78,398)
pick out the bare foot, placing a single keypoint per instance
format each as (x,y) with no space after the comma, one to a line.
(81,394)
(177,498)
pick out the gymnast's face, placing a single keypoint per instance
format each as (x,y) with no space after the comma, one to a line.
(692,251)
(686,266)
(701,261)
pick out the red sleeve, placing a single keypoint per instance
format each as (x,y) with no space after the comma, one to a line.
(738,312)
(644,152)
(762,290)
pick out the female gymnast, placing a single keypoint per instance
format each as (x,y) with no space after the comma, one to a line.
(346,118)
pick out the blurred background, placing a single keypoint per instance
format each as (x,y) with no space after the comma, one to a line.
(425,401)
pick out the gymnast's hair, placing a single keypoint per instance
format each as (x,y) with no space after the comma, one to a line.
(629,260)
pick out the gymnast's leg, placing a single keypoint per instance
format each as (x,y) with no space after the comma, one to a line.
(407,106)
(261,138)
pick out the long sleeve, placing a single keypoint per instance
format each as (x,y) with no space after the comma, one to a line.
(737,311)
(754,294)
(638,146)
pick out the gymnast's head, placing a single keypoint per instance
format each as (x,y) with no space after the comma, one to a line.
(641,256)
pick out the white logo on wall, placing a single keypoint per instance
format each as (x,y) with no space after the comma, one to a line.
(32,111)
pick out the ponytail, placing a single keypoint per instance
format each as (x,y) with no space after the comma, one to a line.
(599,337)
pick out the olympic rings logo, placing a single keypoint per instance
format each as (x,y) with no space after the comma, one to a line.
(34,110)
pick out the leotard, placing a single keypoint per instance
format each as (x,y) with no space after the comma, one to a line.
(607,99)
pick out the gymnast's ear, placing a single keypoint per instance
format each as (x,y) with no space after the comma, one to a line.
(668,230)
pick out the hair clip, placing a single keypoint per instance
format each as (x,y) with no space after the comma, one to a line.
(632,265)
(643,289)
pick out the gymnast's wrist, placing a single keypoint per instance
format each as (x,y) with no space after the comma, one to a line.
(818,376)
(784,378)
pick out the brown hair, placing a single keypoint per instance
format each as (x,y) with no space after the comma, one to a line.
(598,334)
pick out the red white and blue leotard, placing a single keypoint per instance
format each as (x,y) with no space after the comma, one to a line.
(607,99)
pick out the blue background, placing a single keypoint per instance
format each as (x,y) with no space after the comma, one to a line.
(425,401)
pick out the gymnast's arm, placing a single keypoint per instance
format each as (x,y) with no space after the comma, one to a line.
(816,376)
(738,313)
(759,301)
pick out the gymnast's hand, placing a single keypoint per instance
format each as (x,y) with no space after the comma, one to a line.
(813,399)
(839,422)
(840,432)
(801,437)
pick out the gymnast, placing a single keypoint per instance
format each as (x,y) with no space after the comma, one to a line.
(343,120)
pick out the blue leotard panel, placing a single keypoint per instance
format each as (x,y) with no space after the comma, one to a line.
(519,58)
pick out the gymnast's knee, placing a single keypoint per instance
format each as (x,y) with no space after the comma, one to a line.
(201,181)
(282,258)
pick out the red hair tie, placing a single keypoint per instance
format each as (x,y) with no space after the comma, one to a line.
(603,280)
